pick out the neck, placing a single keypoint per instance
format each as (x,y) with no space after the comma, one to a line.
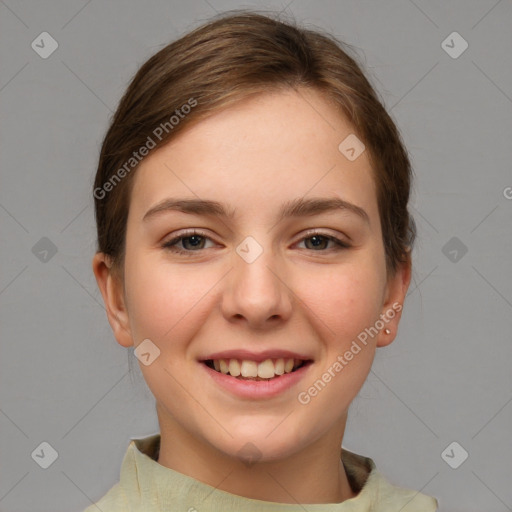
(313,475)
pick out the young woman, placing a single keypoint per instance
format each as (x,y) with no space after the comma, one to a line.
(254,247)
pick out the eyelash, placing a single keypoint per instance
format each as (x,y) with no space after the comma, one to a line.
(171,244)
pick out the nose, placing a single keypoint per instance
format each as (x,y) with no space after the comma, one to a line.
(257,293)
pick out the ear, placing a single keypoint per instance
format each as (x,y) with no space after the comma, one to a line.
(111,287)
(396,290)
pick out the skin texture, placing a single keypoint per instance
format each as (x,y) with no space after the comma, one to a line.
(315,300)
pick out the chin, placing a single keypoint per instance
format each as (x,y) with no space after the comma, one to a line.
(263,446)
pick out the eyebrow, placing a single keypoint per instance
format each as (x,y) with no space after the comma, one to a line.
(295,208)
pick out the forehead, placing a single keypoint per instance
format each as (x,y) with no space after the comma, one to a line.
(263,150)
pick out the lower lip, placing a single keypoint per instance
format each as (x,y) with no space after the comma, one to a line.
(255,389)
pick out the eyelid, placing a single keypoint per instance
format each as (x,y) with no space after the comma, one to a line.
(320,232)
(185,234)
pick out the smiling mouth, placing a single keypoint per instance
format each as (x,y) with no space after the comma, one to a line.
(252,370)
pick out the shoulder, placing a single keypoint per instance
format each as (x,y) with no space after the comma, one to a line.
(125,493)
(388,496)
(375,491)
(114,501)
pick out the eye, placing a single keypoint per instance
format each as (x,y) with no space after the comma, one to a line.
(195,240)
(319,240)
(191,238)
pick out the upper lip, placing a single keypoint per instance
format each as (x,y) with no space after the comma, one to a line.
(256,356)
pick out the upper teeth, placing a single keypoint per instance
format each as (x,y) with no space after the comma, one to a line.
(265,370)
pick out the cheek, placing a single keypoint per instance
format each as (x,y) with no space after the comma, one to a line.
(160,297)
(346,300)
(345,303)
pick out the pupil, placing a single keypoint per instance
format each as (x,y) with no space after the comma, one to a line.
(317,240)
(197,239)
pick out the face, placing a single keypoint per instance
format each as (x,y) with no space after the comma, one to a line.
(254,285)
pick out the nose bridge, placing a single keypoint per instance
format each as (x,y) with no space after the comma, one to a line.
(256,291)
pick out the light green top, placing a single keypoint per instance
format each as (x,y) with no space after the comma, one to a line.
(147,486)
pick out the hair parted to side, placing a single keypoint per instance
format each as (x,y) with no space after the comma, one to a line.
(232,57)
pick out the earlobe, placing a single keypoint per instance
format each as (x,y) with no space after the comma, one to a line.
(111,288)
(396,291)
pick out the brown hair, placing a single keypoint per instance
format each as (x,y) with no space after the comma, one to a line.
(231,57)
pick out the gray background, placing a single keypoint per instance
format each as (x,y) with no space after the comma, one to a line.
(446,377)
